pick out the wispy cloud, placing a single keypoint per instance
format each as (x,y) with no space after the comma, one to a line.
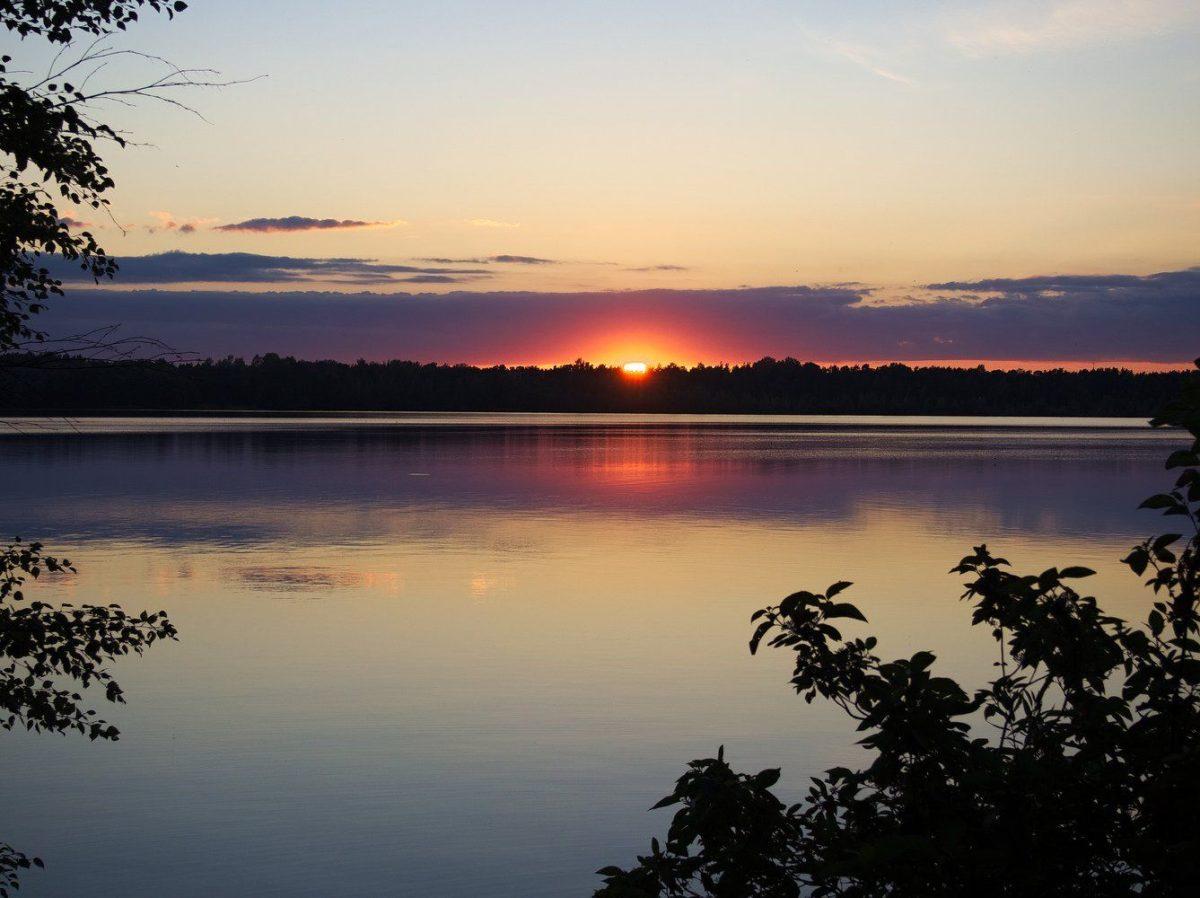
(253,268)
(492,223)
(293,223)
(168,221)
(864,57)
(1094,286)
(522,260)
(484,260)
(645,268)
(431,279)
(1024,27)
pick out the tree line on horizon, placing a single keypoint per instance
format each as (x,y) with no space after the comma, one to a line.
(768,386)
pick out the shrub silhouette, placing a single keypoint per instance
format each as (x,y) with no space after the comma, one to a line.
(1075,772)
(48,653)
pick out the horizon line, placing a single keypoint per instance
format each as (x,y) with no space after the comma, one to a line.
(1135,366)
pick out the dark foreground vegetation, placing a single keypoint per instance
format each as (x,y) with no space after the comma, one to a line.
(766,386)
(1075,772)
(51,654)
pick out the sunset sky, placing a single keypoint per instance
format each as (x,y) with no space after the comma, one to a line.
(687,181)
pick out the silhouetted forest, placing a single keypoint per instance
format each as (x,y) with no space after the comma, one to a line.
(270,382)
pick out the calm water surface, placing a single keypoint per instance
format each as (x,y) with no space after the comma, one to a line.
(461,655)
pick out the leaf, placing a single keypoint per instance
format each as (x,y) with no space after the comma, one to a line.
(1137,560)
(922,660)
(1076,572)
(844,609)
(1182,458)
(796,600)
(1159,547)
(758,635)
(836,588)
(767,778)
(1162,500)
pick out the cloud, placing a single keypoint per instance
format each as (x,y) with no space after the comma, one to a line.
(301,223)
(1090,286)
(252,268)
(69,222)
(1026,27)
(861,56)
(492,223)
(484,260)
(166,221)
(645,268)
(431,279)
(522,260)
(1153,318)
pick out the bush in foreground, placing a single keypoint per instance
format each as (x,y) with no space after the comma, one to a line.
(1076,771)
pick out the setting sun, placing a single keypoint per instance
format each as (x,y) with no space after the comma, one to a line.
(635,368)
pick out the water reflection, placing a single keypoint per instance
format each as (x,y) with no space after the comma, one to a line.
(234,487)
(464,660)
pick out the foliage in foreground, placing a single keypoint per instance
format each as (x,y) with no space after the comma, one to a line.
(49,132)
(48,654)
(48,155)
(1088,784)
(41,644)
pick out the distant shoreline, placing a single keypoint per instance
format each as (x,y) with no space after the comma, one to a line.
(650,417)
(245,422)
(271,385)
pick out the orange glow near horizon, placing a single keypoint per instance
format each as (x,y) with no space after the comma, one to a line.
(662,342)
(990,364)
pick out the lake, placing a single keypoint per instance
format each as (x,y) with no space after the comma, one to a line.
(461,655)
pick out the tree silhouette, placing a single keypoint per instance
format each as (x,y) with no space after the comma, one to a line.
(63,380)
(1087,784)
(49,132)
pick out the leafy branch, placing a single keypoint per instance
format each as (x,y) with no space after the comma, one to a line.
(1087,787)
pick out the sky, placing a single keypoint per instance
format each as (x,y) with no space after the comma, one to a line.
(702,181)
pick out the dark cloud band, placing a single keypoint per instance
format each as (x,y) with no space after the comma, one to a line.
(253,268)
(1075,284)
(1120,318)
